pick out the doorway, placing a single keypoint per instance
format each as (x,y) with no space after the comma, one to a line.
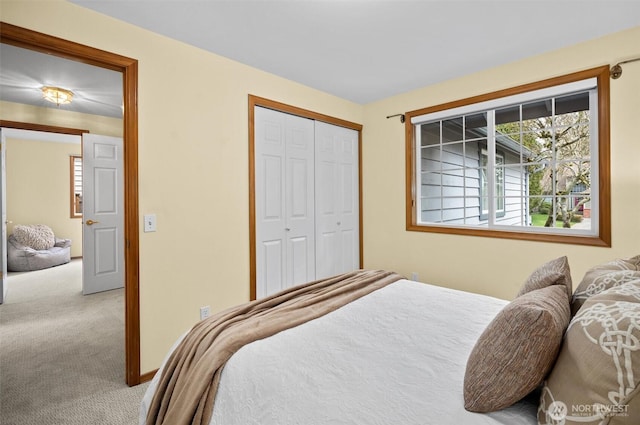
(21,37)
(62,185)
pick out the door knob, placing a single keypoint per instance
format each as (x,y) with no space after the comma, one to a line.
(91,222)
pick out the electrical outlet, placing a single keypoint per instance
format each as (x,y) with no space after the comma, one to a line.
(205,312)
(414,276)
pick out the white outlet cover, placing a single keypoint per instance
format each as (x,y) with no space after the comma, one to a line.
(205,312)
(149,222)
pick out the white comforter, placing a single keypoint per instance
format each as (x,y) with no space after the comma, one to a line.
(396,356)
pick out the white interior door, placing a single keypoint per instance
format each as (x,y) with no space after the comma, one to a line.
(3,209)
(337,200)
(284,196)
(103,213)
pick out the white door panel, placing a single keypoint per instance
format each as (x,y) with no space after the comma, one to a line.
(270,203)
(337,207)
(299,229)
(326,251)
(283,146)
(271,267)
(103,213)
(298,256)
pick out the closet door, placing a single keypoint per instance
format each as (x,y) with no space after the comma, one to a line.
(284,194)
(337,200)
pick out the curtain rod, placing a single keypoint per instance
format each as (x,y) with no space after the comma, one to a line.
(616,70)
(397,115)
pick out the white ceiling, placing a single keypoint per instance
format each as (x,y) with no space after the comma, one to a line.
(23,73)
(367,50)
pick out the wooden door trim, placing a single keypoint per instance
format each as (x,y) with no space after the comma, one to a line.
(304,113)
(32,40)
(41,127)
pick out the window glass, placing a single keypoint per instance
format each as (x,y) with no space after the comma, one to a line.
(76,186)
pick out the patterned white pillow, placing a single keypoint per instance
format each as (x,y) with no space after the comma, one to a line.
(36,236)
(596,379)
(604,276)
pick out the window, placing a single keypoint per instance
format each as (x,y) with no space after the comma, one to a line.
(76,186)
(530,162)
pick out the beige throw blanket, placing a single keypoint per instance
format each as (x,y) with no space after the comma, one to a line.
(190,378)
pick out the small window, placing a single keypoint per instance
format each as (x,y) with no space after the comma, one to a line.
(530,162)
(76,186)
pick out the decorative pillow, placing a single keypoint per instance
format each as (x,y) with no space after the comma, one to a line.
(596,379)
(605,276)
(36,236)
(554,272)
(516,351)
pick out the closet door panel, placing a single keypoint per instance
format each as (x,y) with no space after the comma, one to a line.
(299,260)
(272,186)
(328,248)
(350,259)
(284,172)
(272,267)
(337,217)
(270,206)
(300,221)
(347,193)
(326,258)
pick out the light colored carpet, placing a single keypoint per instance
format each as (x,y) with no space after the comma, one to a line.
(62,353)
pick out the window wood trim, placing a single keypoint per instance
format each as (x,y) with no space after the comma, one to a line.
(604,158)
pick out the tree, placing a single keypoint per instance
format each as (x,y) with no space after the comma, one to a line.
(559,161)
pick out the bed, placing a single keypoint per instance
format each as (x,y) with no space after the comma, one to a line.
(398,354)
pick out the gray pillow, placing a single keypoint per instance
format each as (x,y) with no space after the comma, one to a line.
(554,272)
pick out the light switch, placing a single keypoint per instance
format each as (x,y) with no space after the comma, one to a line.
(149,222)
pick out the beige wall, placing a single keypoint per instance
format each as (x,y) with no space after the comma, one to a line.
(193,163)
(194,173)
(485,265)
(38,188)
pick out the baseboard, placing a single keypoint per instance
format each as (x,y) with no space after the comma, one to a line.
(145,377)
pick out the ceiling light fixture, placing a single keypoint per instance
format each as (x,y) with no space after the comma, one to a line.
(57,95)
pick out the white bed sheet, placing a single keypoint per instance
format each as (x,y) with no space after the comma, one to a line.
(396,356)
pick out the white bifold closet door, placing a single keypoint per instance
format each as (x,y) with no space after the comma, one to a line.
(306,200)
(337,210)
(284,194)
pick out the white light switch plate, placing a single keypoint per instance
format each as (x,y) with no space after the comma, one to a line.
(149,222)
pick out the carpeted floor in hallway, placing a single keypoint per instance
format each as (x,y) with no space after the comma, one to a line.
(62,353)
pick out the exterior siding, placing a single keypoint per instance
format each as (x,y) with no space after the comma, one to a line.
(451,194)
